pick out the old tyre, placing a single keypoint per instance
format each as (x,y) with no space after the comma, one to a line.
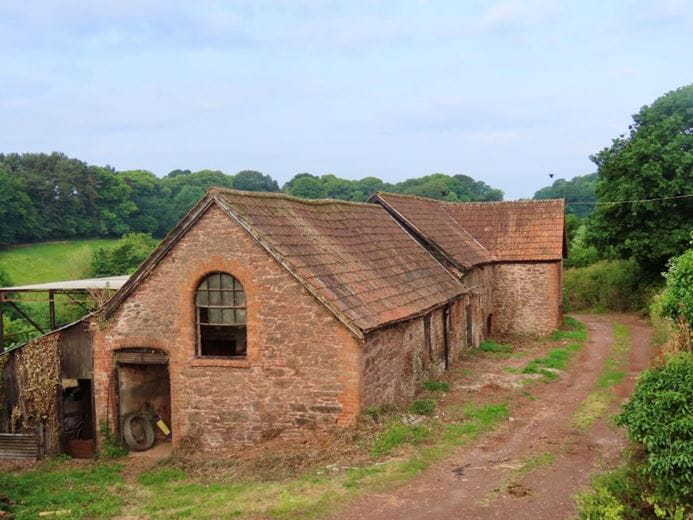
(138,432)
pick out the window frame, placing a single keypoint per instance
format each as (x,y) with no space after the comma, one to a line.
(234,290)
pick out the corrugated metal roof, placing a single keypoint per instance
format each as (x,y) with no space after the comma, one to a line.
(110,282)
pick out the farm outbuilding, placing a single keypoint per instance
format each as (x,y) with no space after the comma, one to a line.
(264,316)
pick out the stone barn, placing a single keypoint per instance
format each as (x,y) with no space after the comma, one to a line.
(264,316)
(525,242)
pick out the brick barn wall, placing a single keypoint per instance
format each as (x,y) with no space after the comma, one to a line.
(528,298)
(302,369)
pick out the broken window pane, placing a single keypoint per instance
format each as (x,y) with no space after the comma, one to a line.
(221,312)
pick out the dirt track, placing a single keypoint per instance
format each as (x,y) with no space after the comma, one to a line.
(490,479)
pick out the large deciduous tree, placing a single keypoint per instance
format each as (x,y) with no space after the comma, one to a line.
(654,161)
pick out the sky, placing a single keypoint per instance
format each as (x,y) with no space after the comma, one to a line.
(503,91)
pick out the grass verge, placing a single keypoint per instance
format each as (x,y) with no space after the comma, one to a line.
(69,492)
(598,400)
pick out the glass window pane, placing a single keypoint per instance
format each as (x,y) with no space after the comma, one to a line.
(214,298)
(214,281)
(203,285)
(202,298)
(204,315)
(227,281)
(227,315)
(214,315)
(227,298)
(240,298)
(237,285)
(240,316)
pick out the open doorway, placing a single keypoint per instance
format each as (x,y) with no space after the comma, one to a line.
(143,398)
(78,418)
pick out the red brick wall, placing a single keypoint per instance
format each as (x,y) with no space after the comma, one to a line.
(528,298)
(302,368)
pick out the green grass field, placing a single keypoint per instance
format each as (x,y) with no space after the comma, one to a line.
(49,261)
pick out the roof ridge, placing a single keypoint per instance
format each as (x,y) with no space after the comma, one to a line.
(285,196)
(476,202)
(464,230)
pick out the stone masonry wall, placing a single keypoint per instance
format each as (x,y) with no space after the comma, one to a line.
(301,374)
(528,298)
(397,359)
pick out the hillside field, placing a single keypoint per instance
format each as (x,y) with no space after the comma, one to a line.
(50,261)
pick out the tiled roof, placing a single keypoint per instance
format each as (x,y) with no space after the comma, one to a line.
(354,257)
(508,231)
(515,231)
(432,219)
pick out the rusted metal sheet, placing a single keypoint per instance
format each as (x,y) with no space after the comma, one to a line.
(18,446)
(75,352)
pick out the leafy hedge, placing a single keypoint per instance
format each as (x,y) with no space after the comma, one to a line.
(617,285)
(659,416)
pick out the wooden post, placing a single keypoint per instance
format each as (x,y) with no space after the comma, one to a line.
(2,328)
(51,309)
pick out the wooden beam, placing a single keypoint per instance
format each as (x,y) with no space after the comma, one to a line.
(81,304)
(27,318)
(2,328)
(51,309)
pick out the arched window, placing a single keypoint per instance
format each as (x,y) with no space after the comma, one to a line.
(221,317)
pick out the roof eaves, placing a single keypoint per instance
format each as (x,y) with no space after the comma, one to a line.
(146,267)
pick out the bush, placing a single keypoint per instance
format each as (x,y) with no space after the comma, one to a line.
(423,407)
(615,494)
(124,257)
(676,301)
(436,386)
(112,448)
(617,285)
(659,415)
(579,253)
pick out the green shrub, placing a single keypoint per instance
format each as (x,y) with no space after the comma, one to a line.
(659,415)
(123,257)
(493,346)
(423,407)
(614,495)
(676,301)
(112,448)
(579,253)
(436,386)
(617,285)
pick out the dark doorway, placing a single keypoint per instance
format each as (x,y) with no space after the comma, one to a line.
(143,392)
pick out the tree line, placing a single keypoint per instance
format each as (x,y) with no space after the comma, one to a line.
(52,196)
